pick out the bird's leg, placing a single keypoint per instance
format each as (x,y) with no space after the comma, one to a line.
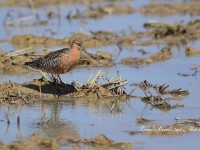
(50,77)
(61,82)
(57,88)
(44,76)
(55,81)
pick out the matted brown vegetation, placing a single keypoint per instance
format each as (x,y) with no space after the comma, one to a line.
(101,11)
(191,8)
(163,55)
(38,3)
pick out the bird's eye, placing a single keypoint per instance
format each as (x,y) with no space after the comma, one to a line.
(79,44)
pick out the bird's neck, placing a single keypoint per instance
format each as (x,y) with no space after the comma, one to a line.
(75,48)
(75,52)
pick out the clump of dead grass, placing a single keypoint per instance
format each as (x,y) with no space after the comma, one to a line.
(102,85)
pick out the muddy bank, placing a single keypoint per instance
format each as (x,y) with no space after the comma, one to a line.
(38,3)
(96,87)
(157,33)
(163,55)
(101,11)
(36,141)
(191,8)
(12,62)
(108,89)
(167,32)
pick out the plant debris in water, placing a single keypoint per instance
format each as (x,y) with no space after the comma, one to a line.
(155,95)
(195,122)
(194,70)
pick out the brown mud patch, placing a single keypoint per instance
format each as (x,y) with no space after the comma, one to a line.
(190,51)
(101,11)
(159,32)
(144,121)
(101,86)
(163,55)
(101,141)
(104,87)
(36,141)
(38,3)
(29,40)
(167,33)
(191,8)
(172,31)
(92,39)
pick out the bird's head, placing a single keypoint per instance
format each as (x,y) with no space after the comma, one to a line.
(77,43)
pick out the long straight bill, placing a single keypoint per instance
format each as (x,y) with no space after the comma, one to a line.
(90,55)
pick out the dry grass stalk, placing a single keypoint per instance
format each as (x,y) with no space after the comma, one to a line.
(102,85)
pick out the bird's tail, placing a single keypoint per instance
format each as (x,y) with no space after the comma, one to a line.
(32,64)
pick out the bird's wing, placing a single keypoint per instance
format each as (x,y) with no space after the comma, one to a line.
(49,61)
(55,54)
(52,59)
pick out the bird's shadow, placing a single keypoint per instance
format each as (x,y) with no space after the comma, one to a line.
(52,88)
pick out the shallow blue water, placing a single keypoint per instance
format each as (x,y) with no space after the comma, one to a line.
(91,119)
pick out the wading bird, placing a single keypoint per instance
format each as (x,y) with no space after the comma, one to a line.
(60,61)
